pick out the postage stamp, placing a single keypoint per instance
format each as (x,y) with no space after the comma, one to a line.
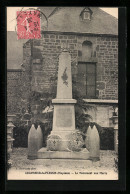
(28,24)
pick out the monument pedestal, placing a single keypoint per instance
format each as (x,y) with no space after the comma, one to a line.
(43,153)
(63,124)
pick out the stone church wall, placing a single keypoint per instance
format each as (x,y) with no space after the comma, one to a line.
(40,66)
(105,50)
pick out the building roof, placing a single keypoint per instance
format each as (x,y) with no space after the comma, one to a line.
(63,19)
(67,19)
(47,10)
(14,50)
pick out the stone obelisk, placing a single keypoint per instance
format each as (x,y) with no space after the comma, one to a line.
(64,113)
(63,142)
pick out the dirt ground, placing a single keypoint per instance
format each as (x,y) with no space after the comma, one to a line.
(105,165)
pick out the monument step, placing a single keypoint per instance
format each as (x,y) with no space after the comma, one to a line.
(81,155)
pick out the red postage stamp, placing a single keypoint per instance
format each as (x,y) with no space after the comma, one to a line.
(28,24)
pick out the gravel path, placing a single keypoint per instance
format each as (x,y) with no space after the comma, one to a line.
(21,163)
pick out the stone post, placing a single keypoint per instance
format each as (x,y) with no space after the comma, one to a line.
(87,139)
(40,137)
(10,127)
(115,121)
(32,143)
(10,139)
(94,144)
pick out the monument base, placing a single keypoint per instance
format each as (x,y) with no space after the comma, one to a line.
(81,155)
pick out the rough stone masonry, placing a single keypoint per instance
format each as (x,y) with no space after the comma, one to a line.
(40,64)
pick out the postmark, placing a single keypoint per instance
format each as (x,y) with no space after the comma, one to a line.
(28,24)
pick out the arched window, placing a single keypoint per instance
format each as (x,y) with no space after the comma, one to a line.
(86,49)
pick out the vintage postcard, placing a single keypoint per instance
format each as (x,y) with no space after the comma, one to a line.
(62,93)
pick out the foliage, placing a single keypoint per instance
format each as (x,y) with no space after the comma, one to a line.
(9,161)
(106,138)
(44,118)
(20,135)
(81,108)
(116,163)
(106,135)
(9,164)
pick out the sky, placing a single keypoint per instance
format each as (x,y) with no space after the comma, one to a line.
(11,15)
(111,11)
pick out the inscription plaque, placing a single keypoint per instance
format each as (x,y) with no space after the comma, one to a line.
(64,117)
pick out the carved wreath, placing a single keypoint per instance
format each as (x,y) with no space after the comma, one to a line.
(53,142)
(65,77)
(76,141)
